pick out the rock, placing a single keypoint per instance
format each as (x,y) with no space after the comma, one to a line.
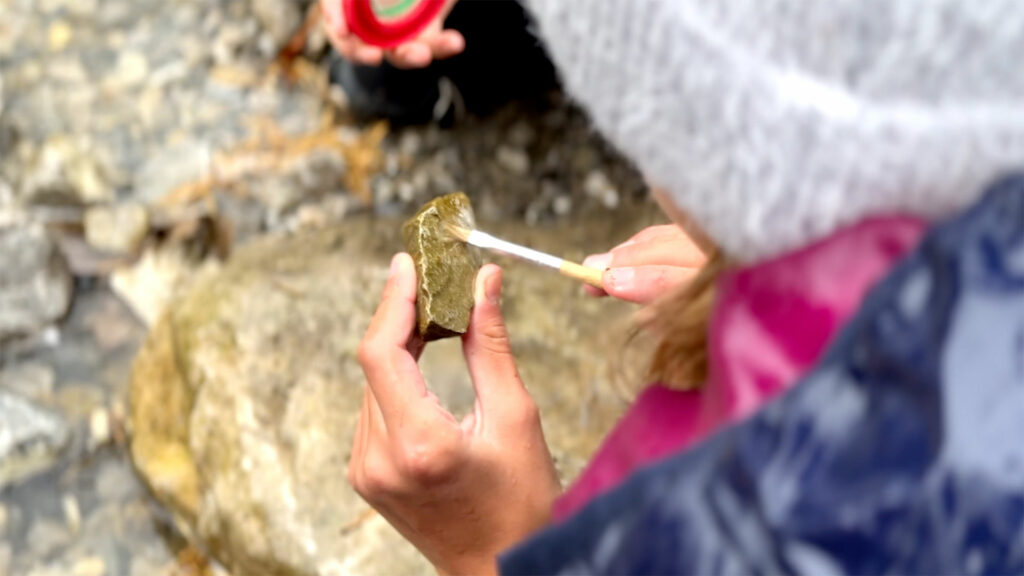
(131,70)
(245,396)
(59,35)
(148,285)
(515,160)
(115,482)
(76,401)
(45,536)
(598,186)
(72,513)
(118,228)
(562,204)
(66,169)
(3,521)
(171,167)
(31,380)
(99,428)
(280,18)
(31,438)
(35,285)
(91,566)
(445,266)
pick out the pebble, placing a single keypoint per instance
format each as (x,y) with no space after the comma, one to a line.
(59,35)
(46,536)
(33,380)
(118,228)
(77,401)
(91,566)
(132,68)
(515,160)
(597,186)
(3,520)
(410,143)
(35,284)
(99,428)
(72,513)
(562,204)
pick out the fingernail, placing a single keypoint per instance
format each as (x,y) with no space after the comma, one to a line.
(492,288)
(599,261)
(394,266)
(621,278)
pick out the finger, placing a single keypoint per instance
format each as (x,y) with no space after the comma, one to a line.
(334,20)
(415,54)
(487,349)
(367,55)
(446,43)
(661,232)
(599,262)
(644,284)
(658,252)
(390,369)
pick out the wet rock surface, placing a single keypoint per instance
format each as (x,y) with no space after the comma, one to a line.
(445,266)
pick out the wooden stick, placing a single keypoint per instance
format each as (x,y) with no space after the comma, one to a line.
(582,273)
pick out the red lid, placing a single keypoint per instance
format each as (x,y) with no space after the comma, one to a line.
(364,23)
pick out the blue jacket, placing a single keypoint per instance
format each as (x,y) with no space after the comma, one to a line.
(902,452)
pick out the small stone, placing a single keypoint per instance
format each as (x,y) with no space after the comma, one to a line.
(410,143)
(59,35)
(3,520)
(99,428)
(597,186)
(31,380)
(172,167)
(280,18)
(115,482)
(35,284)
(77,400)
(515,160)
(30,438)
(132,68)
(91,566)
(562,205)
(445,267)
(119,228)
(72,513)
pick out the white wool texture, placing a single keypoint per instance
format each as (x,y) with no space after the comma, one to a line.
(774,122)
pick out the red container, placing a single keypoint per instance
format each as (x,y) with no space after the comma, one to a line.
(365,23)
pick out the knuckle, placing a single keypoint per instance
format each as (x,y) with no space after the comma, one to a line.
(528,414)
(367,352)
(426,462)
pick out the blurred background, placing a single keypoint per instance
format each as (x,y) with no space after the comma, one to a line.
(193,234)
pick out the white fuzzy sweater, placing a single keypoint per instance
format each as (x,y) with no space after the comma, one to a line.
(773,122)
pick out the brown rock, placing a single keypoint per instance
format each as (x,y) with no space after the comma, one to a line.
(445,266)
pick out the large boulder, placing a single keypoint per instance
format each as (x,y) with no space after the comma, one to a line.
(245,396)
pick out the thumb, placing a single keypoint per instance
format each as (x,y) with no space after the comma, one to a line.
(486,345)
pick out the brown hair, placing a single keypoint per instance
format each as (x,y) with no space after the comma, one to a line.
(679,323)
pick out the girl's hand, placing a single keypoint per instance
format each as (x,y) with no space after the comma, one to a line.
(461,492)
(651,263)
(433,43)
